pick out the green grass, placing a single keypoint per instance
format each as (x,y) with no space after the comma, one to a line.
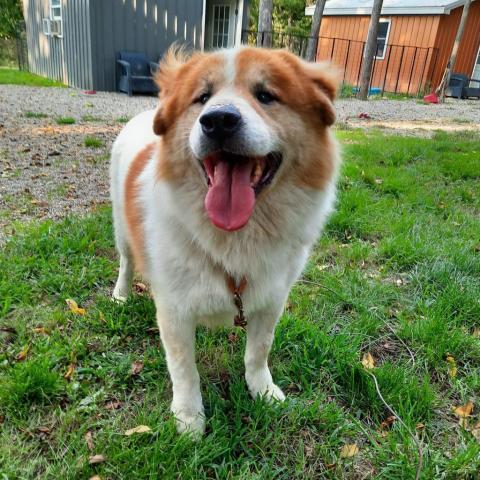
(65,120)
(12,76)
(398,267)
(91,118)
(30,114)
(93,142)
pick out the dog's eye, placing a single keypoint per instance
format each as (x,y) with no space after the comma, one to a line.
(203,98)
(264,97)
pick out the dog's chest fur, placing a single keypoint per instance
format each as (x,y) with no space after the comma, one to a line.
(188,259)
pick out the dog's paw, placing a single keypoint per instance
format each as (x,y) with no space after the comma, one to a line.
(190,423)
(118,297)
(260,385)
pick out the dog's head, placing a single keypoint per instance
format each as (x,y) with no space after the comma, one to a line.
(247,120)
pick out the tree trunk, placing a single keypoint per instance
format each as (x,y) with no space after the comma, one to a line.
(370,49)
(264,35)
(315,31)
(453,57)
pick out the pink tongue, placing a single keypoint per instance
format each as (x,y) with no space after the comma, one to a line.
(230,199)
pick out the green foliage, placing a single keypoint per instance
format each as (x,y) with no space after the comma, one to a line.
(12,76)
(288,17)
(10,16)
(93,142)
(65,120)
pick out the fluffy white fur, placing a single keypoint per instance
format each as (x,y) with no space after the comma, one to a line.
(186,259)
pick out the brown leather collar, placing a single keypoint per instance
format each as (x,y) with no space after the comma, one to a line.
(236,291)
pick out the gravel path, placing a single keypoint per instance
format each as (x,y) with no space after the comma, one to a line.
(47,170)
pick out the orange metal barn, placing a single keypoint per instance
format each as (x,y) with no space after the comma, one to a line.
(414,42)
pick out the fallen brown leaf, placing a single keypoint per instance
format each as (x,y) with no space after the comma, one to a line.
(23,354)
(140,287)
(367,361)
(70,371)
(96,477)
(463,413)
(137,367)
(96,459)
(43,429)
(139,429)
(349,450)
(89,440)
(113,405)
(74,308)
(40,330)
(476,332)
(419,426)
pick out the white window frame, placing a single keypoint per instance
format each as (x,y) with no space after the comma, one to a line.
(46,27)
(389,21)
(57,18)
(224,5)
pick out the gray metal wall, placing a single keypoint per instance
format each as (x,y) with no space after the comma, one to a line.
(149,26)
(67,59)
(45,54)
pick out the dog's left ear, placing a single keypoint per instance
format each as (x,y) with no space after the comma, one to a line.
(325,79)
(165,78)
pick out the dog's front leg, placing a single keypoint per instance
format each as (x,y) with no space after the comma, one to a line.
(260,331)
(178,338)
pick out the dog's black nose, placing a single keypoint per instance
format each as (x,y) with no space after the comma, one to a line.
(220,122)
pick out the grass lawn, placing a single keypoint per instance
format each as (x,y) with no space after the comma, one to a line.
(12,76)
(396,275)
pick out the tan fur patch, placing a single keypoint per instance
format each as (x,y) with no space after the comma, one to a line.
(133,212)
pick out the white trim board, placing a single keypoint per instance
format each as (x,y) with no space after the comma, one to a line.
(386,10)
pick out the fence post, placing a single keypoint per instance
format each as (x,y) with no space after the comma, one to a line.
(423,72)
(411,70)
(346,62)
(386,69)
(360,65)
(399,68)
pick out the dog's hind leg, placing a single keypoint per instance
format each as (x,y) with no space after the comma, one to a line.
(260,330)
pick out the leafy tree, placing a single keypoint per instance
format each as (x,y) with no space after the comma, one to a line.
(10,15)
(288,16)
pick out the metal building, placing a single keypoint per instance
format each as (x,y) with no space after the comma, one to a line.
(75,41)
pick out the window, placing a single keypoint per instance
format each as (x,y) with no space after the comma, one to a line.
(56,17)
(221,20)
(55,9)
(382,38)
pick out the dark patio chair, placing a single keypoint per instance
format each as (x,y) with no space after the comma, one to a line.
(469,91)
(135,73)
(456,85)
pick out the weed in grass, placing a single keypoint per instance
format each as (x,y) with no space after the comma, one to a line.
(93,142)
(35,115)
(91,118)
(65,120)
(123,119)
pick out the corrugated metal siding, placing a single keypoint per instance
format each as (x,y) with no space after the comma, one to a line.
(76,32)
(66,58)
(148,26)
(45,53)
(468,49)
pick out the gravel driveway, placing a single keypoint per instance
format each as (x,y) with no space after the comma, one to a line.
(47,169)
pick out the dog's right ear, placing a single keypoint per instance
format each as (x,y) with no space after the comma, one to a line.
(165,78)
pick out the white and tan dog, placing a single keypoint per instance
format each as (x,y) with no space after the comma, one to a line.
(227,184)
